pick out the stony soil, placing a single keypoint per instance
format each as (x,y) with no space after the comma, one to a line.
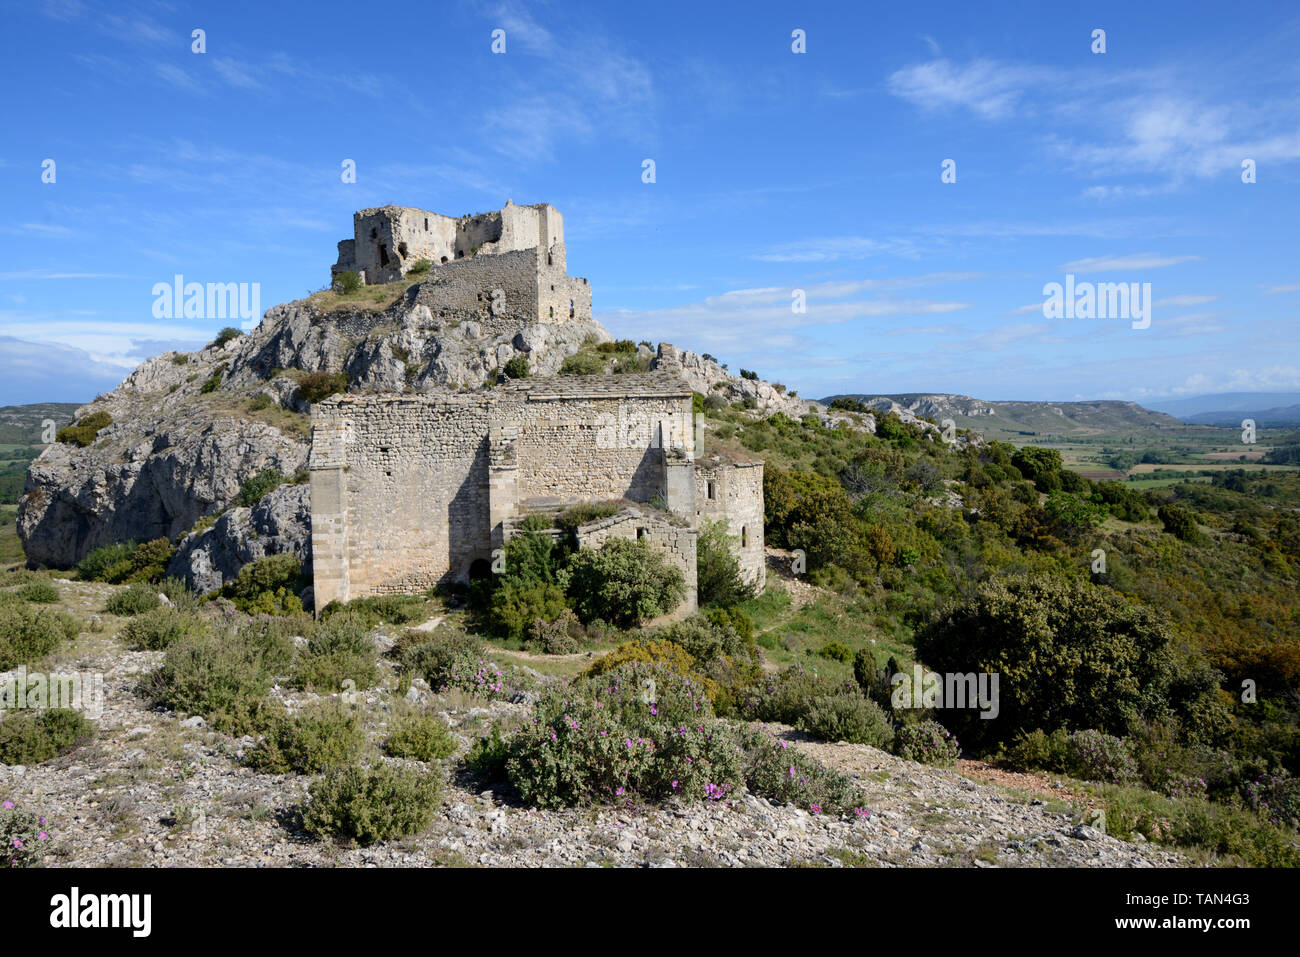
(160,789)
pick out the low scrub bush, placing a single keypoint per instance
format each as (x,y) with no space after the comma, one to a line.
(418,735)
(365,805)
(23,837)
(640,731)
(268,586)
(562,636)
(34,736)
(160,628)
(847,717)
(784,696)
(127,562)
(134,600)
(390,609)
(926,741)
(456,661)
(624,583)
(321,737)
(39,592)
(775,770)
(84,431)
(223,676)
(28,633)
(340,650)
(1095,756)
(316,386)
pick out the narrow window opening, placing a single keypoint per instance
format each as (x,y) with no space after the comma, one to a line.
(383,254)
(426,224)
(744,537)
(712,490)
(640,533)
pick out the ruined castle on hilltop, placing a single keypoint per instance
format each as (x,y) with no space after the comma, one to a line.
(410,490)
(518,250)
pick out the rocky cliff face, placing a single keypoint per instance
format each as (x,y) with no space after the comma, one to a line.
(189,429)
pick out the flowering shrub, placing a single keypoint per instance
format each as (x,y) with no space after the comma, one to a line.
(775,770)
(641,730)
(1095,756)
(456,661)
(1277,797)
(847,717)
(928,742)
(23,837)
(560,636)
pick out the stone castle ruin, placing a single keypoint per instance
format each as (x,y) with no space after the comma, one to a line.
(511,260)
(410,490)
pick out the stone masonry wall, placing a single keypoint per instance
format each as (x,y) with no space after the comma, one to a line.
(676,542)
(737,498)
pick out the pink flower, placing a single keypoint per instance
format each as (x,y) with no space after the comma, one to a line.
(9,805)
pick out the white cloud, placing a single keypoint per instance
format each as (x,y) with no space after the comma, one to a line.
(987,88)
(1120,263)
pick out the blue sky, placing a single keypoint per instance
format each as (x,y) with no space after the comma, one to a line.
(775,171)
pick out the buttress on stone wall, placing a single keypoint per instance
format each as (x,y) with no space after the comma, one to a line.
(408,491)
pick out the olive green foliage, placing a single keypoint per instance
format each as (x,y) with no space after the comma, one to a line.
(268,586)
(161,627)
(516,368)
(718,575)
(364,805)
(85,430)
(582,363)
(1069,654)
(624,583)
(27,633)
(584,514)
(127,562)
(926,741)
(847,716)
(316,386)
(40,592)
(251,492)
(133,600)
(418,735)
(1180,522)
(33,736)
(323,736)
(223,676)
(339,656)
(776,770)
(224,336)
(374,609)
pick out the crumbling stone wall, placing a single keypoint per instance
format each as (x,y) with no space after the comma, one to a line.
(734,493)
(675,540)
(407,491)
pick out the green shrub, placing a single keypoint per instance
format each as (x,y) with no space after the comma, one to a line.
(23,836)
(323,736)
(28,633)
(420,736)
(84,432)
(365,805)
(516,367)
(133,600)
(1094,756)
(251,492)
(224,336)
(373,609)
(847,717)
(582,363)
(456,661)
(212,383)
(1069,654)
(584,513)
(624,583)
(837,651)
(718,575)
(339,651)
(348,280)
(222,676)
(782,774)
(160,628)
(784,696)
(560,636)
(515,605)
(1181,523)
(488,754)
(267,586)
(94,567)
(32,736)
(926,741)
(39,592)
(316,386)
(127,562)
(1037,751)
(640,731)
(419,267)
